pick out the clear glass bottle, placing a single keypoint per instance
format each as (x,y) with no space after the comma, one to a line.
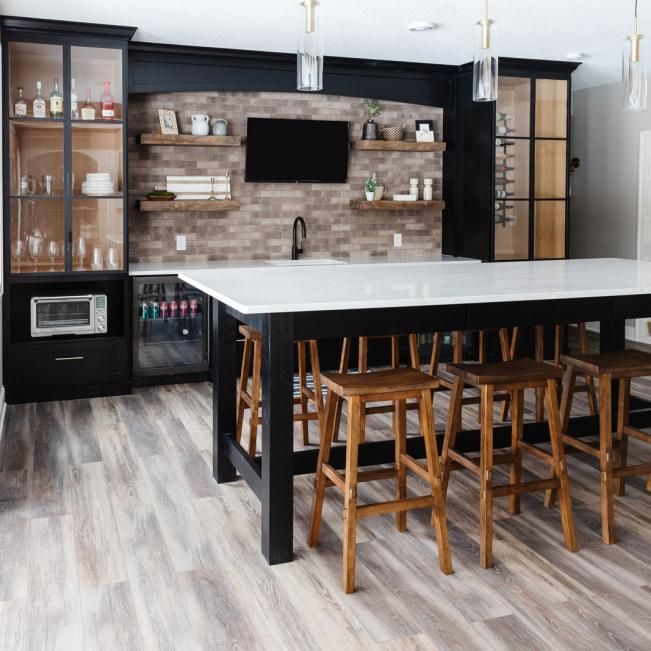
(87,108)
(108,103)
(56,101)
(38,103)
(74,101)
(20,107)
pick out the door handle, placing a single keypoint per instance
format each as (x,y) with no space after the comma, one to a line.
(68,359)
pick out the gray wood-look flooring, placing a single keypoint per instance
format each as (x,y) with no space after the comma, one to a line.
(113,535)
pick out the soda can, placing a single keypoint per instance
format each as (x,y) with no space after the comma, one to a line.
(143,310)
(174,309)
(194,304)
(183,307)
(164,306)
(155,310)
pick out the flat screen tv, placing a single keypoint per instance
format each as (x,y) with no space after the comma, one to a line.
(297,151)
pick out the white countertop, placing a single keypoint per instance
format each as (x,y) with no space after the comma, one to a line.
(174,268)
(353,286)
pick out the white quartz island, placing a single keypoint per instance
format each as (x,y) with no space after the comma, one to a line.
(290,303)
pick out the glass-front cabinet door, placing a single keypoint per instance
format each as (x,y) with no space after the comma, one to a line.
(530,168)
(66,158)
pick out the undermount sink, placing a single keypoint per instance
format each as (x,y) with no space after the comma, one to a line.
(307,262)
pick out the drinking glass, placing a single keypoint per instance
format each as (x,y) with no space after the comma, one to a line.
(47,184)
(19,251)
(80,250)
(113,259)
(53,253)
(97,259)
(27,184)
(34,249)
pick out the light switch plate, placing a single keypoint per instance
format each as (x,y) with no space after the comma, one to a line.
(397,240)
(181,243)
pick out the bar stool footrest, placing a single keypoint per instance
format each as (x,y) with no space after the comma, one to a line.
(395,506)
(525,487)
(637,434)
(632,471)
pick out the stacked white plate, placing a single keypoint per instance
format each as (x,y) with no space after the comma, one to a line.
(98,183)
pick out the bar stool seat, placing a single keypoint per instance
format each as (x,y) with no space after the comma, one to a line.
(612,455)
(514,377)
(398,385)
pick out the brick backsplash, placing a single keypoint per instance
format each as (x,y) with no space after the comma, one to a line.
(262,227)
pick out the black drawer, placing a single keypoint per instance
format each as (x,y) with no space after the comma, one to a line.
(68,363)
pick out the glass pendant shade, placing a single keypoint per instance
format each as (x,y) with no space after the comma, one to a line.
(634,74)
(309,54)
(484,72)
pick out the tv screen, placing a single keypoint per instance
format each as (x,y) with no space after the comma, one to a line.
(297,151)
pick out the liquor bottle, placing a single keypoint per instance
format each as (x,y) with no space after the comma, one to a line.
(20,107)
(108,103)
(503,131)
(56,101)
(500,167)
(38,103)
(74,102)
(87,108)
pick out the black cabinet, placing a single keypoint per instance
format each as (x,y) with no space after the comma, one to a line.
(170,329)
(512,165)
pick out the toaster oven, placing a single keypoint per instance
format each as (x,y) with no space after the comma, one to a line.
(69,315)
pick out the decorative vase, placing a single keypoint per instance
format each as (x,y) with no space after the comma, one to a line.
(370,196)
(379,191)
(370,130)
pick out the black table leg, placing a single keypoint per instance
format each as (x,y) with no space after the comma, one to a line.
(224,364)
(612,336)
(277,439)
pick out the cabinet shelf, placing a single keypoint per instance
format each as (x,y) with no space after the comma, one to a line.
(182,205)
(187,140)
(388,204)
(397,145)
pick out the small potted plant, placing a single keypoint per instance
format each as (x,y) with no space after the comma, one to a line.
(370,186)
(370,128)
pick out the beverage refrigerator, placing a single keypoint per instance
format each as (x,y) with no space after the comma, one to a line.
(170,328)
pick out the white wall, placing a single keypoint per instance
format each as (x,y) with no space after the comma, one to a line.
(605,187)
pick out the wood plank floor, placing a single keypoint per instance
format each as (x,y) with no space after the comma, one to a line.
(113,535)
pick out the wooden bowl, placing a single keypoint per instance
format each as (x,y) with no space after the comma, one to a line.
(392,133)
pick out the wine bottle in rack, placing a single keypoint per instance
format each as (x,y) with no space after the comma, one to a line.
(501,168)
(504,131)
(503,194)
(504,117)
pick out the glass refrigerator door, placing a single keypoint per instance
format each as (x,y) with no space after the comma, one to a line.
(171,318)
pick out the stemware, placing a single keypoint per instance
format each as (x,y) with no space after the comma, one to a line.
(35,245)
(19,251)
(52,252)
(97,259)
(113,259)
(80,250)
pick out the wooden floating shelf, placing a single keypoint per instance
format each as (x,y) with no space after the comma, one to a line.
(388,204)
(180,205)
(397,145)
(187,140)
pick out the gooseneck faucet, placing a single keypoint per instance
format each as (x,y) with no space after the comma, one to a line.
(296,247)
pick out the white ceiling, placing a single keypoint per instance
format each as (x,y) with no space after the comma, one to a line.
(543,29)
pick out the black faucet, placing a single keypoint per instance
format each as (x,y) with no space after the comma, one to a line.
(296,249)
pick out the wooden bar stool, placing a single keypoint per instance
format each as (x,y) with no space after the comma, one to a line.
(514,377)
(252,367)
(398,385)
(614,470)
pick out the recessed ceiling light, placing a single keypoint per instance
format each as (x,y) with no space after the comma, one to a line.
(575,56)
(421,26)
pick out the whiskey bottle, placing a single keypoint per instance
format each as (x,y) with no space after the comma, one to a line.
(20,107)
(74,102)
(38,103)
(87,108)
(56,101)
(108,103)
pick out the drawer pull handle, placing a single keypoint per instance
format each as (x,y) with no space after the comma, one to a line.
(68,359)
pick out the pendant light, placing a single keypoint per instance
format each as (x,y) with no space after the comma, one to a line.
(309,55)
(634,80)
(484,69)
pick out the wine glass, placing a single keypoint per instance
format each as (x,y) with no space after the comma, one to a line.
(80,250)
(97,259)
(52,252)
(19,251)
(113,259)
(34,247)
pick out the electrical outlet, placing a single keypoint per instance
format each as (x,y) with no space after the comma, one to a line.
(397,240)
(181,243)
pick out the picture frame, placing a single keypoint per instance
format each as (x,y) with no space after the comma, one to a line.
(168,123)
(424,130)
